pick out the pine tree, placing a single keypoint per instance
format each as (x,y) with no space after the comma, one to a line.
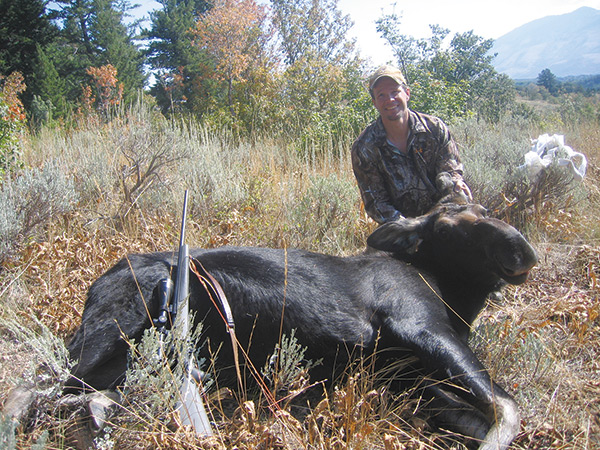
(176,64)
(170,38)
(547,79)
(93,35)
(48,85)
(24,24)
(115,45)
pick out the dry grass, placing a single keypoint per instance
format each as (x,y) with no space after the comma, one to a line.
(541,342)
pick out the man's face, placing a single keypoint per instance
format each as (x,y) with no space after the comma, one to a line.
(390,99)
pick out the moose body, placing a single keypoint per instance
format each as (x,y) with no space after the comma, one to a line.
(418,287)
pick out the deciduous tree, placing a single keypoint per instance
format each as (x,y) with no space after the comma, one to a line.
(315,28)
(228,33)
(450,80)
(319,57)
(12,120)
(408,50)
(106,86)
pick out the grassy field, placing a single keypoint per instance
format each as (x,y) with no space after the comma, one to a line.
(90,196)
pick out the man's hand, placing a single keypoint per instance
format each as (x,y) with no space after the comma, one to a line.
(461,187)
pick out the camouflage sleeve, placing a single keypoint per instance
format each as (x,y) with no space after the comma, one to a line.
(372,190)
(448,159)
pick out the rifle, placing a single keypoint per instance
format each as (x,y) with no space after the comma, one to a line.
(176,304)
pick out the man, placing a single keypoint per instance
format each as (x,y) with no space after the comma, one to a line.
(398,157)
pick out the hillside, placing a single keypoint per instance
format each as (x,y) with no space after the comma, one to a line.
(567,44)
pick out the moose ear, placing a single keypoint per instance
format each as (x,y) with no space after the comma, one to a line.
(401,236)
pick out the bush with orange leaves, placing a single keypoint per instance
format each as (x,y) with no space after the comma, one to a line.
(12,121)
(104,92)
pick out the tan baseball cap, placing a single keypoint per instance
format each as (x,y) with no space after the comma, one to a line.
(386,71)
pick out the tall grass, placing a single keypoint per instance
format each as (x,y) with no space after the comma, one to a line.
(138,165)
(113,188)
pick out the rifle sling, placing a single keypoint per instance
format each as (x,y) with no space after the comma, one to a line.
(215,291)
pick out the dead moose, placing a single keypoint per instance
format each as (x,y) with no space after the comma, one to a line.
(418,287)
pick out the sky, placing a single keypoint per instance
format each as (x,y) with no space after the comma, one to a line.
(488,19)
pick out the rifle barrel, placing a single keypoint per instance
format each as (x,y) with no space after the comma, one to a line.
(183,220)
(183,277)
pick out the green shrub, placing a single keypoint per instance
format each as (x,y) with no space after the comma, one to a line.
(8,441)
(49,366)
(31,200)
(494,158)
(323,216)
(287,368)
(151,390)
(10,149)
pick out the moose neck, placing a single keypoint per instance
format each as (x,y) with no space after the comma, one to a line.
(464,288)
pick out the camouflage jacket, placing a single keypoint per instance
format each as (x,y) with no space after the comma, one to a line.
(393,184)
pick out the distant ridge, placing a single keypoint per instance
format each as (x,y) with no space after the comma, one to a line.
(568,45)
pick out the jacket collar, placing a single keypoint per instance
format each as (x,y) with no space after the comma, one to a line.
(415,125)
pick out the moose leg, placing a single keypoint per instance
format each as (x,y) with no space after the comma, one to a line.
(452,412)
(101,355)
(442,352)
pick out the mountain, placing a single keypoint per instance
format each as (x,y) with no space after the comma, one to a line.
(568,45)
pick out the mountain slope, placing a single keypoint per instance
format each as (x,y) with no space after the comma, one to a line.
(568,44)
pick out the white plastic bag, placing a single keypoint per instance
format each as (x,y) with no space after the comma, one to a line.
(547,149)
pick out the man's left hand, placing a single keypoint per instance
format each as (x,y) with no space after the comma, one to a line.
(461,187)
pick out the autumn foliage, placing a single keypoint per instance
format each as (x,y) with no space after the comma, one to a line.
(104,92)
(12,86)
(228,33)
(12,119)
